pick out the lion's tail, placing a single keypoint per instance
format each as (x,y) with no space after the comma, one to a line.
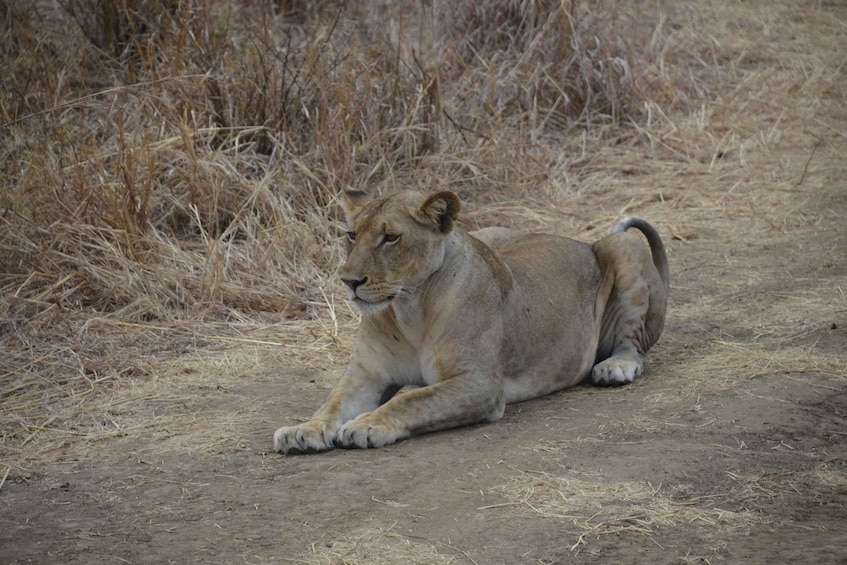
(657,248)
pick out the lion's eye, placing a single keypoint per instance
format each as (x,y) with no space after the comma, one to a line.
(351,237)
(390,238)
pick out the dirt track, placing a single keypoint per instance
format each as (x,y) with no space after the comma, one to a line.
(731,448)
(746,474)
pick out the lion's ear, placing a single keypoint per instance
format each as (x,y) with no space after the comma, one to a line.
(353,201)
(439,211)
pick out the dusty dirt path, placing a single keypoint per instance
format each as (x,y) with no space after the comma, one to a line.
(732,447)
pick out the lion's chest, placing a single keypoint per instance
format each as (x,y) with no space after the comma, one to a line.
(417,343)
(409,322)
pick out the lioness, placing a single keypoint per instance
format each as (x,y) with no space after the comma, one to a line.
(478,320)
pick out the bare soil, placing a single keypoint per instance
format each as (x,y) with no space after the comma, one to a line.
(731,448)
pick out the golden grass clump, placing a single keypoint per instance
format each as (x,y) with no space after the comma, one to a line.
(554,63)
(377,546)
(596,508)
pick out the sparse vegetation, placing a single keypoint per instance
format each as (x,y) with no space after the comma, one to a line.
(169,237)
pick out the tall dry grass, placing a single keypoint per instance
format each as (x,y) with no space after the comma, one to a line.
(551,61)
(175,161)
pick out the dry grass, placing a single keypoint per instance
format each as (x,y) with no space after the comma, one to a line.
(378,546)
(544,62)
(595,508)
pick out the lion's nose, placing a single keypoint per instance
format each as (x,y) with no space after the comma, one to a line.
(354,283)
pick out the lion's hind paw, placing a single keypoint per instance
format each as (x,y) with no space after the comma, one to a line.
(616,370)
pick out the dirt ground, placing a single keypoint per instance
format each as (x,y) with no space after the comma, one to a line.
(731,448)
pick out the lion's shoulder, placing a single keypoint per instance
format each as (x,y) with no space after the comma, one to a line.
(501,275)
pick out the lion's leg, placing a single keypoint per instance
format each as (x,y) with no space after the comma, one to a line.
(623,335)
(461,400)
(630,307)
(353,395)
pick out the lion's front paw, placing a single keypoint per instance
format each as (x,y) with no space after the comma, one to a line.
(616,370)
(305,438)
(368,430)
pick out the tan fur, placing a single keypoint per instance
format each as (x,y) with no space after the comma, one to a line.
(476,321)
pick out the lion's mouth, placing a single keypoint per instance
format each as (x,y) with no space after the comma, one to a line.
(369,298)
(370,305)
(373,301)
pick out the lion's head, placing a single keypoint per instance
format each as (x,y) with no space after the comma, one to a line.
(395,243)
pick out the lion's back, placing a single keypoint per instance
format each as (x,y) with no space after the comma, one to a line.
(544,261)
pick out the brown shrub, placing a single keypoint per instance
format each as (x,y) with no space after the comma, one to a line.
(551,61)
(214,170)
